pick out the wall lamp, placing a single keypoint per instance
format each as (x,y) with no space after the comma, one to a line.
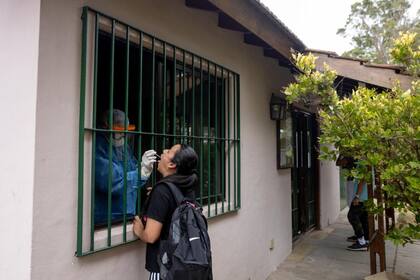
(278,106)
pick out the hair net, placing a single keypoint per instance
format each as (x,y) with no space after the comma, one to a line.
(118,118)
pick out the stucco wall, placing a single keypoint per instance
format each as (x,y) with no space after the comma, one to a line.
(329,193)
(19,28)
(241,240)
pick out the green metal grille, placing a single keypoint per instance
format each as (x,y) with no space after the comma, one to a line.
(172,96)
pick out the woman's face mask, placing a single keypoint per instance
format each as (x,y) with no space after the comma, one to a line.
(118,139)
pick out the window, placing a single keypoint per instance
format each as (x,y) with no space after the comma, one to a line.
(285,142)
(161,95)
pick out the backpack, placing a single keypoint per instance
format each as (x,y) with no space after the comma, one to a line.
(186,254)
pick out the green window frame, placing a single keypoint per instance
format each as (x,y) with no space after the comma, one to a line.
(172,96)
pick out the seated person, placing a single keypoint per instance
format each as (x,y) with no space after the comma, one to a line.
(102,169)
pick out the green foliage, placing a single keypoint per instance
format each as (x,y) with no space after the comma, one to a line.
(312,82)
(405,53)
(378,129)
(405,234)
(374,24)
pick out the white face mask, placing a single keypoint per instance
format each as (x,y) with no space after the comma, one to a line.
(118,139)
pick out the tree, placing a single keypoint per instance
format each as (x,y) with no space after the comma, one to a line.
(373,25)
(381,130)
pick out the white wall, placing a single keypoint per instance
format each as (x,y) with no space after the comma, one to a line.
(329,193)
(19,28)
(241,240)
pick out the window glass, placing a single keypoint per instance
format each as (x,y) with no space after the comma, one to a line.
(285,142)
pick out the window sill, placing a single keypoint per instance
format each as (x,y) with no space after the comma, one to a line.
(220,210)
(117,231)
(117,236)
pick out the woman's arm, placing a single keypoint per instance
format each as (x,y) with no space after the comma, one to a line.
(148,234)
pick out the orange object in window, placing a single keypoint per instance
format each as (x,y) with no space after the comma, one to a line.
(121,128)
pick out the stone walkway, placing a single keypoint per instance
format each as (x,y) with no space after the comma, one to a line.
(322,255)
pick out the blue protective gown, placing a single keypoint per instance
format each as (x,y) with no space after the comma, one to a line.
(117,188)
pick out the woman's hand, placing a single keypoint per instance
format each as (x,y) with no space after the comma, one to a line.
(149,189)
(137,226)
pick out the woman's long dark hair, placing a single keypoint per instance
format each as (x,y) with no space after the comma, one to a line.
(186,160)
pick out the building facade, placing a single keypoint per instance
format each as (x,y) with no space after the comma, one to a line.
(251,223)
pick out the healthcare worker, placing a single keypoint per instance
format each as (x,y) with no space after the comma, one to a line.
(102,169)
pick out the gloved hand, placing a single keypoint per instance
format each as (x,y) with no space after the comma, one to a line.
(147,160)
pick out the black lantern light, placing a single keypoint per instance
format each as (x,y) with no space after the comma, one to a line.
(278,107)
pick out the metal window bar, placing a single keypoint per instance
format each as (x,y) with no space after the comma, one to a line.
(183,123)
(110,122)
(139,118)
(152,114)
(193,98)
(224,115)
(208,139)
(95,89)
(164,97)
(234,97)
(201,132)
(237,140)
(222,148)
(127,71)
(216,143)
(174,98)
(79,246)
(188,104)
(229,136)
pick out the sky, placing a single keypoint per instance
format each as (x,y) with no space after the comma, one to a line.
(315,23)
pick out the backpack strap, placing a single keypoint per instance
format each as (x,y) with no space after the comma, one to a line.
(177,194)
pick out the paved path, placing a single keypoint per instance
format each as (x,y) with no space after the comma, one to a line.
(321,255)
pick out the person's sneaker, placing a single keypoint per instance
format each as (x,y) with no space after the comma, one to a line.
(352,238)
(358,247)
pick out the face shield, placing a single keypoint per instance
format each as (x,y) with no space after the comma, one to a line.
(120,123)
(119,138)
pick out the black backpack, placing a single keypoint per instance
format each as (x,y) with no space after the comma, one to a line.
(186,254)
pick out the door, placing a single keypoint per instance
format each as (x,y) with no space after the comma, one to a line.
(303,173)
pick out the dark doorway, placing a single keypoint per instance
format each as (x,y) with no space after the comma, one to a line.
(304,173)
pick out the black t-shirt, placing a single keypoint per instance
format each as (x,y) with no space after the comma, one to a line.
(159,207)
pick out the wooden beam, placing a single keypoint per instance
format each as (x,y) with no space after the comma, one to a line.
(227,22)
(200,4)
(252,39)
(269,52)
(284,62)
(247,15)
